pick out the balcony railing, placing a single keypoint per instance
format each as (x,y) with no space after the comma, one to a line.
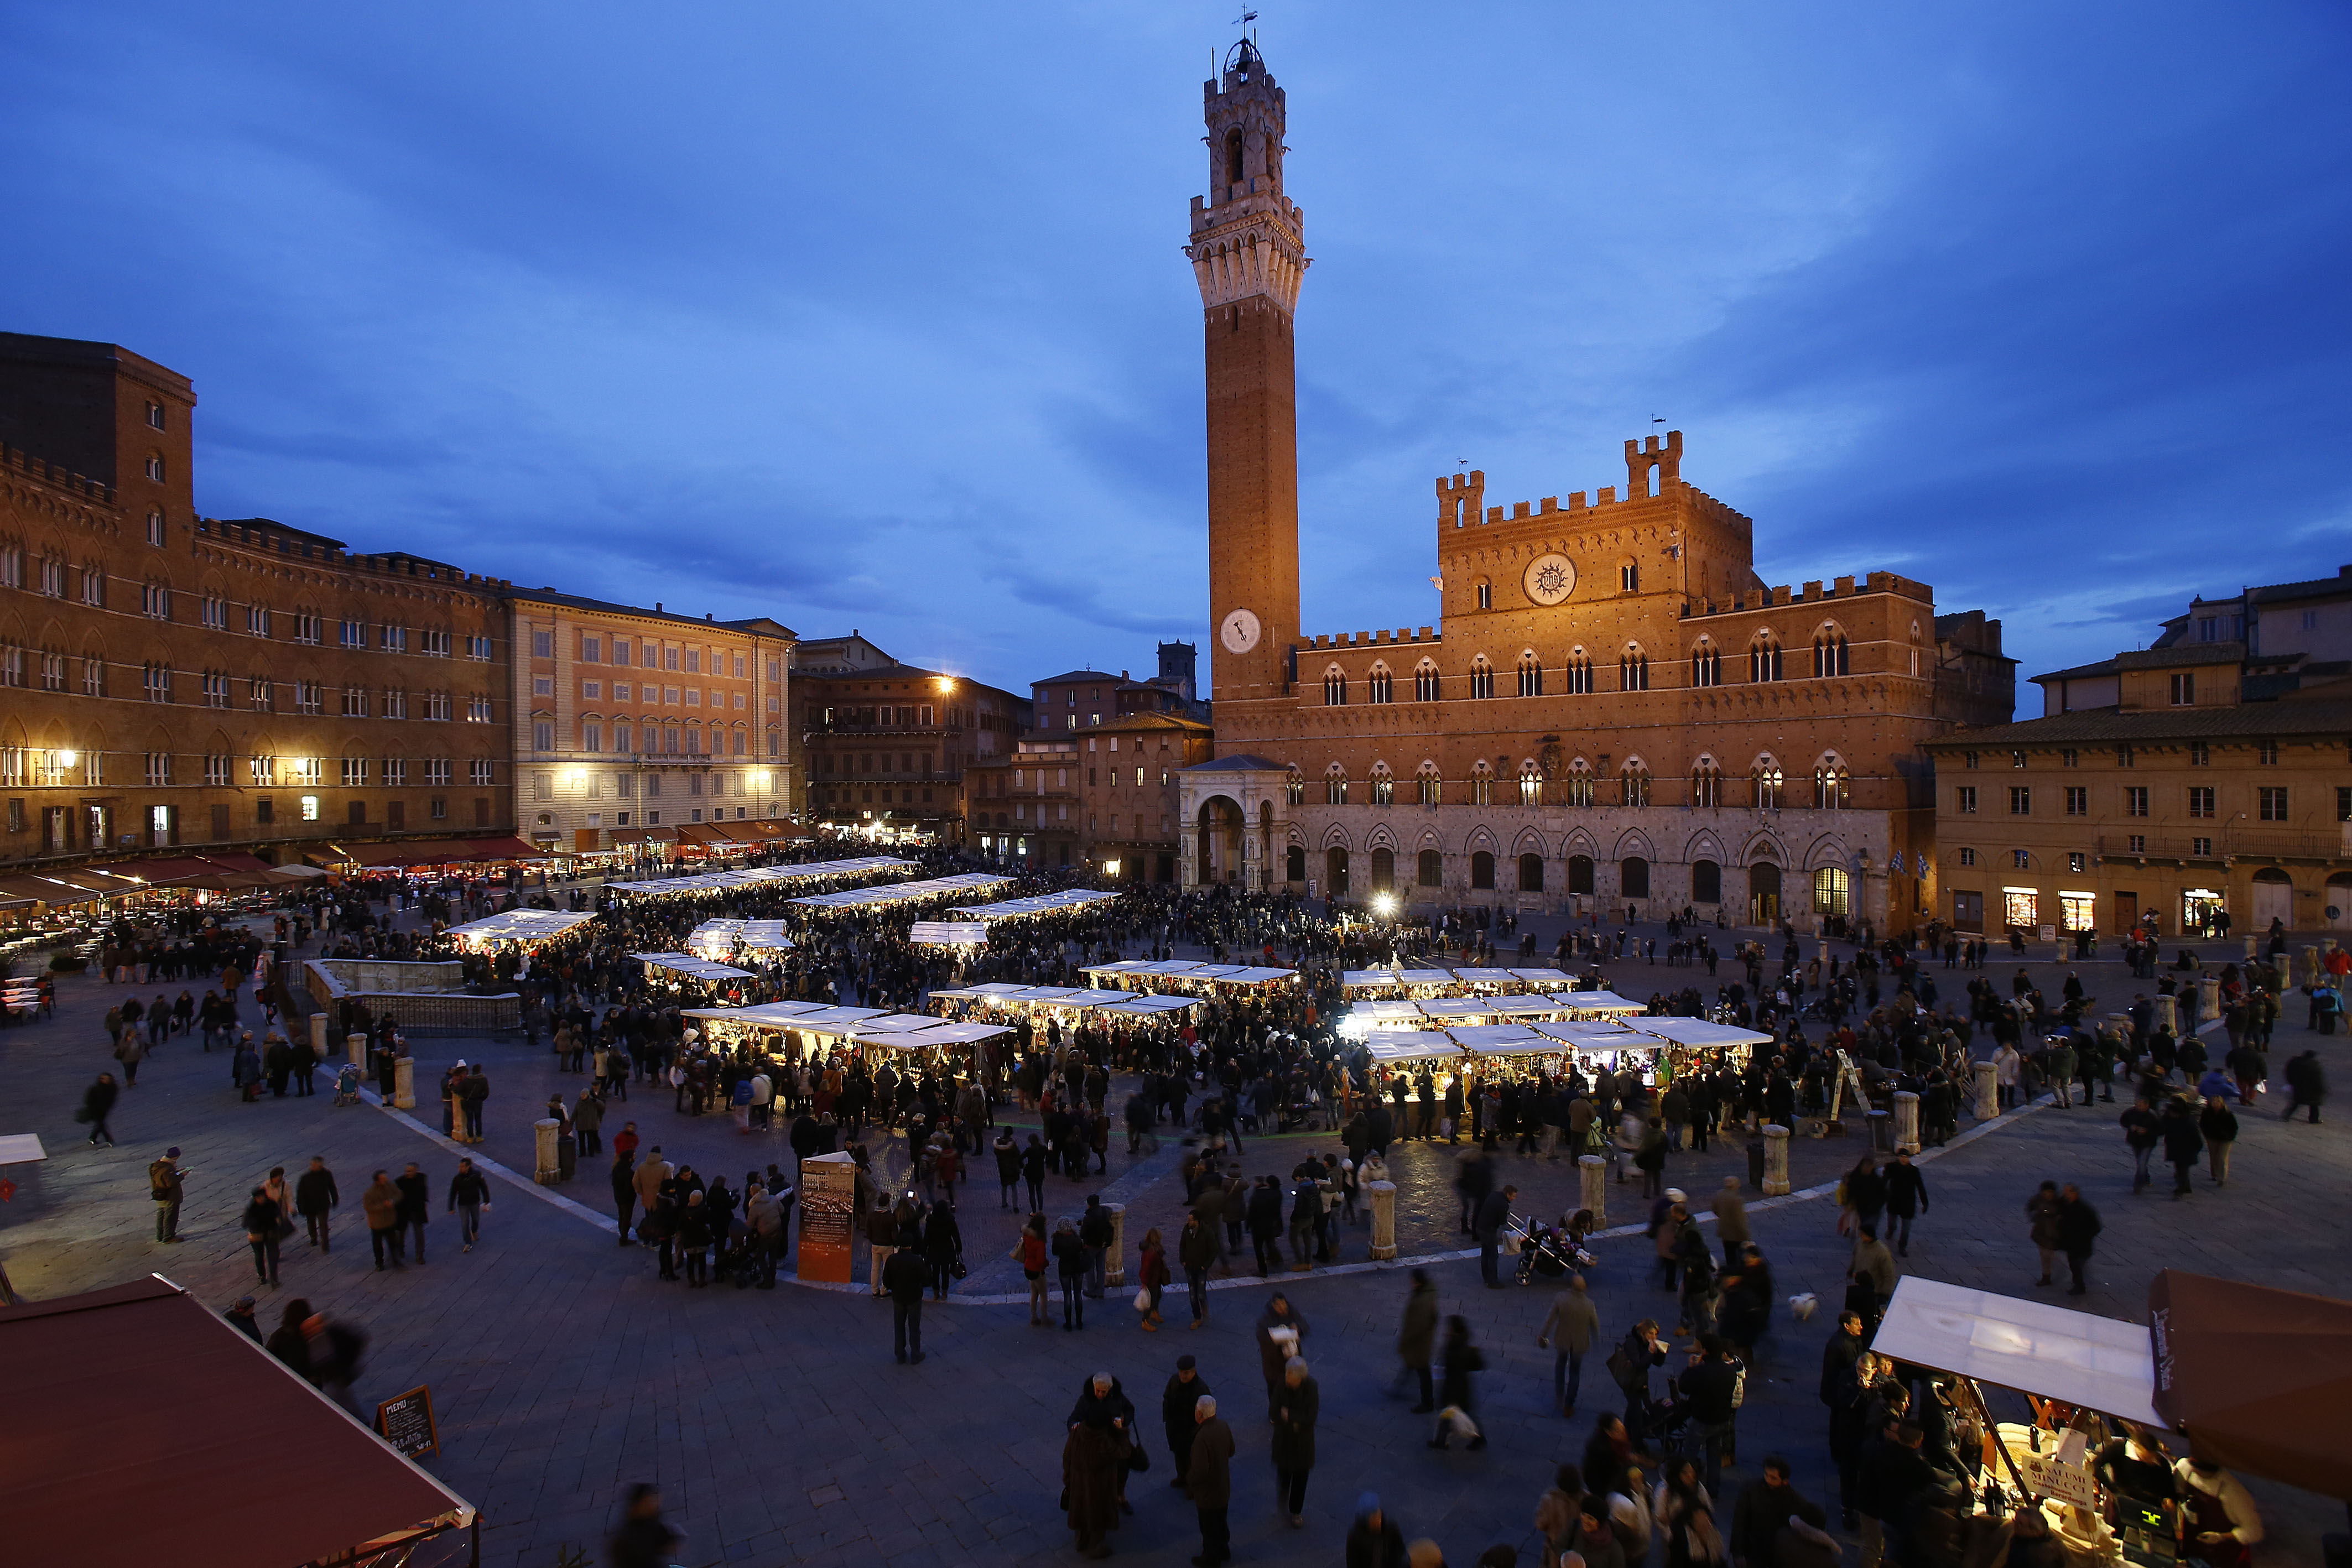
(2224,840)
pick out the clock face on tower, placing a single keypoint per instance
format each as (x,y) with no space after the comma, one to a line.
(1238,631)
(1549,579)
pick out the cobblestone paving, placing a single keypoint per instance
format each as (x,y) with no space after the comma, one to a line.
(781,1431)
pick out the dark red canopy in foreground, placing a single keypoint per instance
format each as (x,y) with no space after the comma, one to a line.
(136,1421)
(2261,1380)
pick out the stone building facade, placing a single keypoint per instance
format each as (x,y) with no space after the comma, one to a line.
(1614,711)
(890,748)
(169,679)
(642,725)
(1106,796)
(2209,773)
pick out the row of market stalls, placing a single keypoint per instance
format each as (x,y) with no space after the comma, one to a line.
(517,927)
(706,883)
(1462,982)
(2237,1375)
(882,896)
(1659,1050)
(796,1029)
(202,873)
(969,928)
(1183,977)
(748,940)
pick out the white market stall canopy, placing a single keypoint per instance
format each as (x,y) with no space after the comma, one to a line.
(904,892)
(1598,1036)
(1150,1005)
(2095,1363)
(692,968)
(1698,1033)
(1180,972)
(950,933)
(762,875)
(1128,1003)
(760,1015)
(1043,904)
(517,925)
(956,1031)
(719,939)
(1410,1045)
(1502,1039)
(1598,1002)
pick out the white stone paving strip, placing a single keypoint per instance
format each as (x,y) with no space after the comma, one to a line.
(611,1227)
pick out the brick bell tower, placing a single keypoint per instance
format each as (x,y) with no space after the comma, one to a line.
(1248,253)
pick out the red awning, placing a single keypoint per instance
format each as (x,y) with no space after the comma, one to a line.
(644,835)
(51,889)
(503,849)
(179,868)
(122,1405)
(419,852)
(234,860)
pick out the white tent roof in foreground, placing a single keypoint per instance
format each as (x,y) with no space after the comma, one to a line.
(2031,1346)
(687,964)
(1697,1031)
(1043,904)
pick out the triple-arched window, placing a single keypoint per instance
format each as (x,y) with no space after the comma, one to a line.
(1768,782)
(1530,675)
(1706,783)
(1832,785)
(1764,657)
(1580,672)
(1634,780)
(1633,669)
(1531,783)
(1482,783)
(1578,784)
(1335,686)
(1426,784)
(1383,785)
(1707,664)
(1380,686)
(1830,657)
(1482,677)
(1335,785)
(1424,682)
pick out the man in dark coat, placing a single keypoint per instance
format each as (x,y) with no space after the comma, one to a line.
(315,1198)
(1092,1458)
(2306,1084)
(1906,1198)
(1275,1347)
(905,1276)
(1210,1479)
(2078,1228)
(2184,1145)
(1176,1401)
(1296,1407)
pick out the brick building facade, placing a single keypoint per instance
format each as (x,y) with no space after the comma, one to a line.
(1615,711)
(889,748)
(177,680)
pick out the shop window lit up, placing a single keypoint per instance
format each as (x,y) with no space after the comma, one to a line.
(2021,906)
(309,808)
(2074,910)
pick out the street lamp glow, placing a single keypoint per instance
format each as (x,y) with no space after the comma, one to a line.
(68,757)
(1385,904)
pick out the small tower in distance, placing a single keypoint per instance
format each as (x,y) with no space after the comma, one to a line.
(1248,254)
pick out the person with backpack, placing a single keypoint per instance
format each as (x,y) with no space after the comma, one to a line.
(164,1183)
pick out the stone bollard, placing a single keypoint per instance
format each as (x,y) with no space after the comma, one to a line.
(319,1036)
(1115,1259)
(1776,1160)
(1593,1172)
(1988,1090)
(1384,1243)
(2209,997)
(355,1047)
(1907,1121)
(545,1169)
(2166,1018)
(404,1084)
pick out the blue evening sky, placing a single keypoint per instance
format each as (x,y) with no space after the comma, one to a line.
(876,316)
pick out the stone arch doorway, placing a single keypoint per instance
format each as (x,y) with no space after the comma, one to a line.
(2273,899)
(1335,872)
(1222,825)
(1763,893)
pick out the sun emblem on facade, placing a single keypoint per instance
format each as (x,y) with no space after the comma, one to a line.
(1549,579)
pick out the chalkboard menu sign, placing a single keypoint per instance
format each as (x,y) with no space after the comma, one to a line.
(407,1423)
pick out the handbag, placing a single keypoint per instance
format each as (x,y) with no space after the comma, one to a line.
(1143,1298)
(1138,1461)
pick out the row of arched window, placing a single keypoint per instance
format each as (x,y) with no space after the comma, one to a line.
(1767,661)
(1768,786)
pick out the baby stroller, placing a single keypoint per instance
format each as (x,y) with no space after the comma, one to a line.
(1547,1252)
(347,1084)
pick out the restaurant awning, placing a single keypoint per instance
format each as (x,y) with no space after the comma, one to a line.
(120,1403)
(644,835)
(508,847)
(36,888)
(2260,1379)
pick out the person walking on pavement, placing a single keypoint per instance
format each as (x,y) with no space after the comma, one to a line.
(624,1191)
(2306,1084)
(2219,1125)
(1874,1275)
(2078,1228)
(906,1276)
(1494,1218)
(2141,1136)
(2183,1145)
(315,1199)
(1731,1220)
(1296,1407)
(469,1194)
(2041,1220)
(166,1181)
(261,1219)
(1417,1338)
(642,1541)
(1184,1389)
(1209,1477)
(380,1203)
(1459,1395)
(1196,1249)
(416,1207)
(651,1176)
(1281,1333)
(1906,1198)
(98,1103)
(1575,1322)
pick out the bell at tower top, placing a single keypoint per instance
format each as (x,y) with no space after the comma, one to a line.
(1244,110)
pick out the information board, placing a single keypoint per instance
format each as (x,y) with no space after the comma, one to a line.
(407,1423)
(828,1203)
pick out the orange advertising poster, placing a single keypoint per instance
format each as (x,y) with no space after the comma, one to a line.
(828,1201)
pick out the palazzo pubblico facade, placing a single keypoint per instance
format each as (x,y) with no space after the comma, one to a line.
(1615,712)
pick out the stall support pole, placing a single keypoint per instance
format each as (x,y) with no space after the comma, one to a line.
(1776,1160)
(1593,1177)
(1384,1243)
(545,1171)
(1907,1121)
(1115,1262)
(1987,1078)
(404,1084)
